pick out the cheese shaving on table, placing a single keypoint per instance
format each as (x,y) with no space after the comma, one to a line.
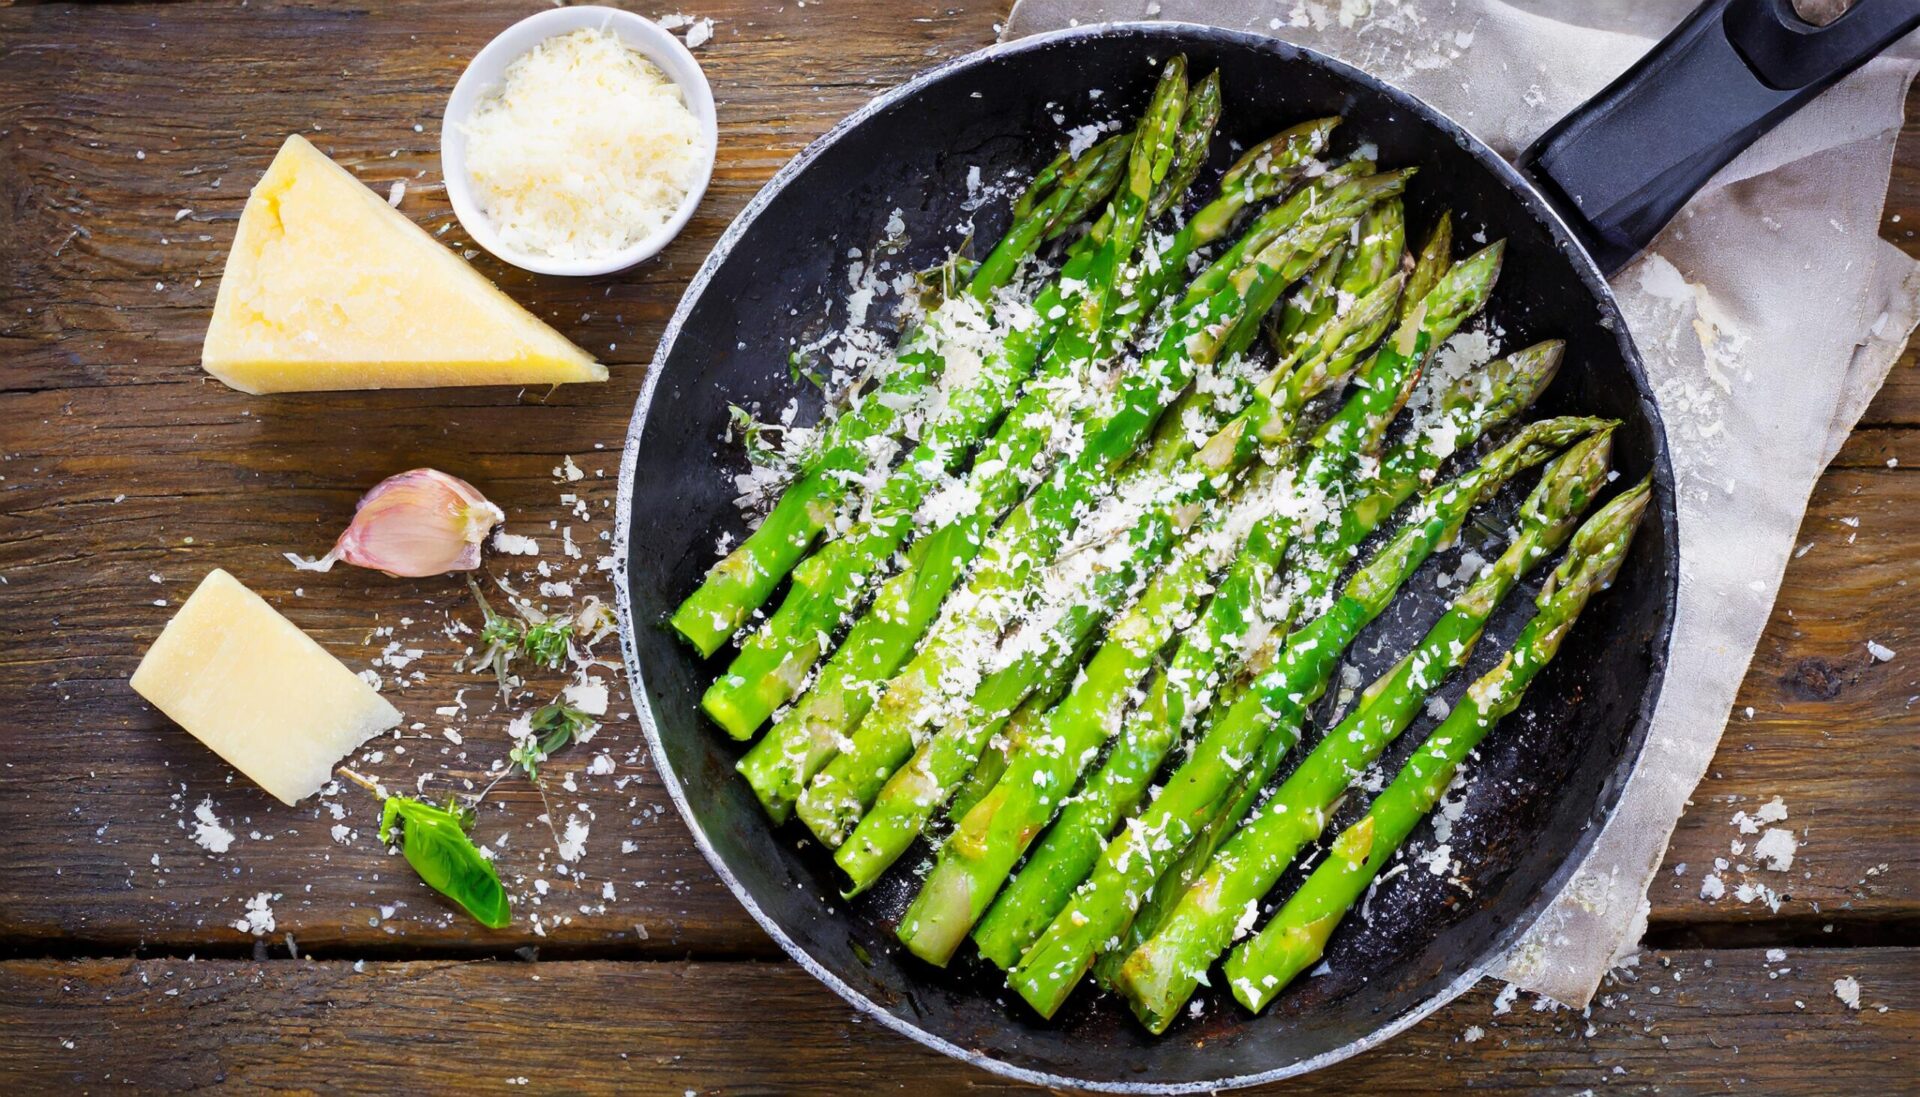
(586,149)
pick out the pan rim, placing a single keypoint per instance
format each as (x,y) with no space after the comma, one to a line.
(1585,269)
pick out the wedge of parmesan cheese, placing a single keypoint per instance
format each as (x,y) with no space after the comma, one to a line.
(329,287)
(249,684)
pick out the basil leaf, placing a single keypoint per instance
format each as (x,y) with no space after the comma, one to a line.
(435,842)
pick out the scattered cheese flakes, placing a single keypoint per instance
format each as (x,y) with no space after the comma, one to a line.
(573,844)
(589,695)
(514,544)
(259,917)
(1847,989)
(1880,652)
(1775,849)
(207,830)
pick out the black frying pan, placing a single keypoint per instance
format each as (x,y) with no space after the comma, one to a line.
(1609,176)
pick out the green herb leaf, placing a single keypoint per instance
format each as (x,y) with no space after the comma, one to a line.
(551,730)
(502,632)
(434,841)
(798,371)
(547,642)
(753,437)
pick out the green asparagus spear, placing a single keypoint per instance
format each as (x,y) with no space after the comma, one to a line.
(998,587)
(1382,239)
(743,579)
(1436,255)
(1097,916)
(831,583)
(1160,975)
(1296,937)
(1462,409)
(812,733)
(1193,138)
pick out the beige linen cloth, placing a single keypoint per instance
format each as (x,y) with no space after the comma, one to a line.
(1769,312)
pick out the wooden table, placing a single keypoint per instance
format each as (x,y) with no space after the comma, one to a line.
(129,136)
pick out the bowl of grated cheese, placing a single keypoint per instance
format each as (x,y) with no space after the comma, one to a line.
(578,142)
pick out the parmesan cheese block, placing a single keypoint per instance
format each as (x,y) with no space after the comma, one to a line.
(329,287)
(248,683)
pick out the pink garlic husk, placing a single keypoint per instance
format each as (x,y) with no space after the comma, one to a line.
(417,523)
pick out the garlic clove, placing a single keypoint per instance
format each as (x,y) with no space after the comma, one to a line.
(414,524)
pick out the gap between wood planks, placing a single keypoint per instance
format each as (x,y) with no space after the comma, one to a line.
(1836,930)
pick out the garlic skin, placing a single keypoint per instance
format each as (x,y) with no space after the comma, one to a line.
(414,524)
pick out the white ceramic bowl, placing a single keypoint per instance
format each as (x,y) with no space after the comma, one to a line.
(483,76)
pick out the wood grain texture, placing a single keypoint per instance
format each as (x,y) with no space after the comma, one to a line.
(126,474)
(1697,1022)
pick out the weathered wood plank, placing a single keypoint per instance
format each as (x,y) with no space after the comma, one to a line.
(1683,1022)
(121,462)
(1822,724)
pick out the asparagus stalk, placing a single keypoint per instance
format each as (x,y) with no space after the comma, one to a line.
(1096,917)
(814,730)
(1323,295)
(1297,936)
(1162,973)
(997,588)
(1063,610)
(1436,255)
(775,660)
(743,579)
(919,788)
(1192,139)
(991,837)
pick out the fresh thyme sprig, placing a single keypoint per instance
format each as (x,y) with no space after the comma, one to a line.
(547,642)
(551,729)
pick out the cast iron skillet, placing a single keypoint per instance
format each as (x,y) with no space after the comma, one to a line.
(1545,780)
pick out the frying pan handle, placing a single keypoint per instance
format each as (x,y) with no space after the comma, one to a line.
(1623,163)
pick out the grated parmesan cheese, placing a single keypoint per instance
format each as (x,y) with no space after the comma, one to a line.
(586,149)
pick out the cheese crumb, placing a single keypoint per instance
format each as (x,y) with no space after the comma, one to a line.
(1775,849)
(1847,989)
(259,917)
(207,830)
(514,544)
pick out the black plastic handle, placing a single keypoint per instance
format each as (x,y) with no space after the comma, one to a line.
(1623,163)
